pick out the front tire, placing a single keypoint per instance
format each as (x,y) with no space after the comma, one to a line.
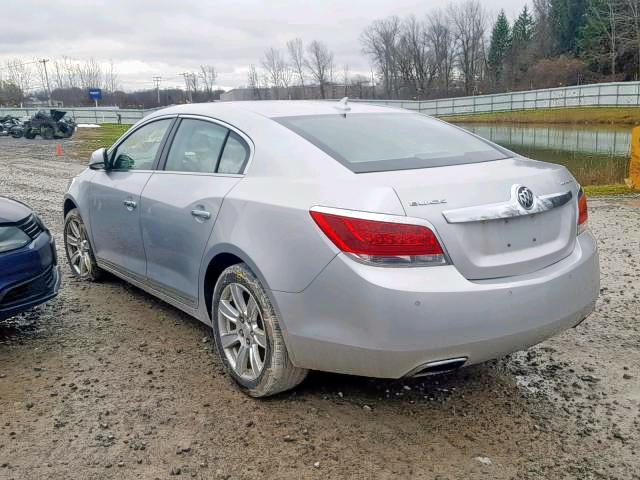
(78,249)
(248,336)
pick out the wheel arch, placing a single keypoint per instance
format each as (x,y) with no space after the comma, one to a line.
(216,261)
(69,204)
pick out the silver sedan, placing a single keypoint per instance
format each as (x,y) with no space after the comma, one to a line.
(340,237)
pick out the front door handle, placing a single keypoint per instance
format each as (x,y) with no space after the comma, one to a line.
(130,204)
(201,214)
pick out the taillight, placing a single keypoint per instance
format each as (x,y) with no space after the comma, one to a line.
(583,214)
(380,239)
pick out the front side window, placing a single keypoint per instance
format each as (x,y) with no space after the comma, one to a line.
(138,151)
(376,142)
(196,147)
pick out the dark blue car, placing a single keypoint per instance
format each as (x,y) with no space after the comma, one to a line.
(29,273)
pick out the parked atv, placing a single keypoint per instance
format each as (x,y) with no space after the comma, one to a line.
(49,125)
(10,125)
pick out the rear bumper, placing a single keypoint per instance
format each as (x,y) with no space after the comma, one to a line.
(29,276)
(386,322)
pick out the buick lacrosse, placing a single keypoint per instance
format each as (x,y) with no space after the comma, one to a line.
(341,237)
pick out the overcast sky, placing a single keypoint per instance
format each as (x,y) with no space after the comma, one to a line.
(147,38)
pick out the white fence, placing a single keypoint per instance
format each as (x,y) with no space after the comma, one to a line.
(620,94)
(86,115)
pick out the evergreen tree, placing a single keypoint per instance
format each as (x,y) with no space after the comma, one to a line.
(499,47)
(522,30)
(567,18)
(521,51)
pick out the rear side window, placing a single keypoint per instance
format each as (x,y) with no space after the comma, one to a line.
(196,147)
(376,142)
(235,155)
(206,147)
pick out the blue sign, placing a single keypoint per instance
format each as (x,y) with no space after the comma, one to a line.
(95,94)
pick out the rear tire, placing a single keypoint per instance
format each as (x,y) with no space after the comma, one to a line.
(29,134)
(79,250)
(256,329)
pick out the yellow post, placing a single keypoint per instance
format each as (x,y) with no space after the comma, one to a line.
(634,163)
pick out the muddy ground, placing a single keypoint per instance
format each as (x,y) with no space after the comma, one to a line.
(107,382)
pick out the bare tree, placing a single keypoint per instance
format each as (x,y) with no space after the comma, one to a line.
(89,74)
(469,20)
(543,35)
(345,79)
(419,62)
(70,73)
(319,62)
(208,74)
(253,82)
(275,68)
(631,25)
(441,43)
(296,59)
(111,80)
(380,42)
(287,78)
(20,74)
(192,82)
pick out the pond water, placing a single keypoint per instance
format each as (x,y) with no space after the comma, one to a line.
(595,155)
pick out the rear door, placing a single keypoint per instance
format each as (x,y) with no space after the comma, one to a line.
(115,198)
(182,199)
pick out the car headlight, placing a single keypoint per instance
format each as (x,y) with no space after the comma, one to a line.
(12,238)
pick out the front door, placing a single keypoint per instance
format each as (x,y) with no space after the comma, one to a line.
(180,203)
(115,199)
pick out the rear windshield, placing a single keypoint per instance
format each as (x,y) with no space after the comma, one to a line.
(377,142)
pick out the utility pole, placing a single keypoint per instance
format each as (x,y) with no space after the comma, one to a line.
(46,76)
(187,81)
(157,81)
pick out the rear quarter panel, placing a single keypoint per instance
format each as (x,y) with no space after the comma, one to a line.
(268,220)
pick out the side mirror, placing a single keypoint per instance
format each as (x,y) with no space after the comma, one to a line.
(98,159)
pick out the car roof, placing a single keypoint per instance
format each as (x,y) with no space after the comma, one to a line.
(276,108)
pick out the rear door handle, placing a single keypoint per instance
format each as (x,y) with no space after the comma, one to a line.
(201,214)
(130,204)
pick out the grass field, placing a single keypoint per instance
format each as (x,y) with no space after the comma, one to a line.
(86,140)
(608,190)
(566,116)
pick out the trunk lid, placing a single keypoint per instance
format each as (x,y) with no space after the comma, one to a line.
(483,228)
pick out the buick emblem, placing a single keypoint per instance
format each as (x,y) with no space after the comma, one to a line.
(525,197)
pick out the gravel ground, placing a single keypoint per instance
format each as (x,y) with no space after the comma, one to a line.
(107,382)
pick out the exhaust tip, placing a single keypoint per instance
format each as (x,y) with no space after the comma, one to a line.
(437,367)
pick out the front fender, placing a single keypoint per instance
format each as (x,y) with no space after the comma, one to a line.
(78,193)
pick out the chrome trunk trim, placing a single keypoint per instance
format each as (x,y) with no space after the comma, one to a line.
(508,209)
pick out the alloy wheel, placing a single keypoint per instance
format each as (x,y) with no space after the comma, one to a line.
(78,247)
(242,332)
